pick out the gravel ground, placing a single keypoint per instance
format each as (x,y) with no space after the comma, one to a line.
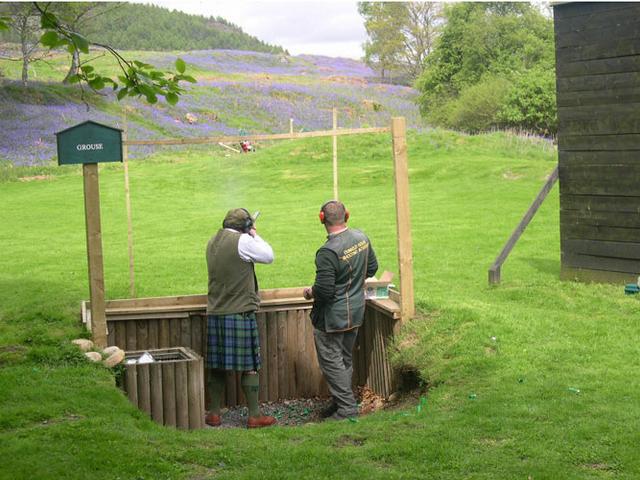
(299,411)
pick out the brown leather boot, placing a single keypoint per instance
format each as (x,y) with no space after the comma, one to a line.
(262,421)
(213,420)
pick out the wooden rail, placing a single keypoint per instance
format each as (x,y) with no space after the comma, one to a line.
(259,137)
(494,270)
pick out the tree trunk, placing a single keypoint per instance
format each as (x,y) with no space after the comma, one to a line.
(75,64)
(24,39)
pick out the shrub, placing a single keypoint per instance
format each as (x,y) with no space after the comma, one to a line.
(476,108)
(531,103)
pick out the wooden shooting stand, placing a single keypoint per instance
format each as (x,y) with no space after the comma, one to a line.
(290,368)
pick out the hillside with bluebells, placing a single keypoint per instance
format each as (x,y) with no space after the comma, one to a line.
(237,92)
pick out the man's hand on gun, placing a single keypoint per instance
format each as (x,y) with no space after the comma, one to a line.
(308,293)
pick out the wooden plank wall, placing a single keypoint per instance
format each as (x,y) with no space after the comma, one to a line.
(598,95)
(289,364)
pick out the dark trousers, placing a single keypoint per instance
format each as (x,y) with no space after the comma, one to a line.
(335,354)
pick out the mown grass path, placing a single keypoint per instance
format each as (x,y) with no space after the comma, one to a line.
(504,364)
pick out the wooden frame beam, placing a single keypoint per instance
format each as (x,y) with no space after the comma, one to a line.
(256,138)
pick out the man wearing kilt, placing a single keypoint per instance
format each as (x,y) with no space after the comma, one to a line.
(232,332)
(342,264)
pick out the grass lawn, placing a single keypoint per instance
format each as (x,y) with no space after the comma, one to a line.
(536,378)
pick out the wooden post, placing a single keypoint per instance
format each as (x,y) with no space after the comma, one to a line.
(494,270)
(335,154)
(94,253)
(291,126)
(403,220)
(127,195)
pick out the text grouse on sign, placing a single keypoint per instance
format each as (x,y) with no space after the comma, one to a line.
(89,146)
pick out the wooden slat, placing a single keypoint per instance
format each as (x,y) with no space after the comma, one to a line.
(195,390)
(144,391)
(590,21)
(164,333)
(592,83)
(629,250)
(301,350)
(131,383)
(257,138)
(292,352)
(169,394)
(132,335)
(155,377)
(608,48)
(121,334)
(601,263)
(587,275)
(142,332)
(272,359)
(608,219)
(620,30)
(111,334)
(592,232)
(154,341)
(565,11)
(196,334)
(264,356)
(598,66)
(569,159)
(610,181)
(283,374)
(182,403)
(599,97)
(600,203)
(174,332)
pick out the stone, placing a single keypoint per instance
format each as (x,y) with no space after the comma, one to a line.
(110,350)
(394,397)
(93,356)
(115,358)
(84,344)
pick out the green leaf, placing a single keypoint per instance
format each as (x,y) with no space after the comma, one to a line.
(49,39)
(180,65)
(80,42)
(96,83)
(75,78)
(188,78)
(172,98)
(87,68)
(5,22)
(48,21)
(122,93)
(152,98)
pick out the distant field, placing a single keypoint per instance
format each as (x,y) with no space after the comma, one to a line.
(534,379)
(236,93)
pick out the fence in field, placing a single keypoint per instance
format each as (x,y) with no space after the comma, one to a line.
(290,367)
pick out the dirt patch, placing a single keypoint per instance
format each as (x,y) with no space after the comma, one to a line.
(350,441)
(512,176)
(35,178)
(301,411)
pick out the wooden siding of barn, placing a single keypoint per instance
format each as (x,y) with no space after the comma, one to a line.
(598,95)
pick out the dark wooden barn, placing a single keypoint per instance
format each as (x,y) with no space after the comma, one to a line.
(598,94)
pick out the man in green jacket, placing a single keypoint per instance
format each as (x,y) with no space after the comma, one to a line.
(342,264)
(232,332)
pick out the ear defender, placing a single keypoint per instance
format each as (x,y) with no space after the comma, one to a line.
(248,223)
(321,216)
(346,215)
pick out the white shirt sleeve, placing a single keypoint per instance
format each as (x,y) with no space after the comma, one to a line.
(254,249)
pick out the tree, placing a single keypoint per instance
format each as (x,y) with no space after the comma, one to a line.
(401,34)
(27,25)
(137,78)
(481,43)
(78,17)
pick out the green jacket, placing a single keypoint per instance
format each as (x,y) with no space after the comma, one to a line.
(342,264)
(233,286)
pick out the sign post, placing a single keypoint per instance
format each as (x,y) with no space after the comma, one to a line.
(90,143)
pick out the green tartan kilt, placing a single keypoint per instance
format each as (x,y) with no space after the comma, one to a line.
(233,342)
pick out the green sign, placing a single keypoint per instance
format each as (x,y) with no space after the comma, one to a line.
(89,142)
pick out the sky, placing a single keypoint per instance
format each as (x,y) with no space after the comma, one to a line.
(330,27)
